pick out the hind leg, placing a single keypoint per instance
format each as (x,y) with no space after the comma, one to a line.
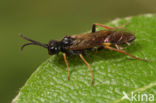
(106,27)
(107,46)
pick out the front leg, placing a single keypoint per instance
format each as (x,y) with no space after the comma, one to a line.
(66,62)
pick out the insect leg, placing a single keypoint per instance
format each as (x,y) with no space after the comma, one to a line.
(107,27)
(118,47)
(104,26)
(81,56)
(125,53)
(66,61)
(93,28)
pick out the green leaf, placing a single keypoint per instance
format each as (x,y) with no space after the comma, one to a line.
(114,73)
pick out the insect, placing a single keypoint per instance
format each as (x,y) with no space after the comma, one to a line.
(79,44)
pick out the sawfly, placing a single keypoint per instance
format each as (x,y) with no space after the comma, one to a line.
(110,38)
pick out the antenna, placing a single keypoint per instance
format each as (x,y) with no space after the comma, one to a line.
(32,42)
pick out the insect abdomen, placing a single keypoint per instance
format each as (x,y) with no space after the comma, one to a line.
(119,37)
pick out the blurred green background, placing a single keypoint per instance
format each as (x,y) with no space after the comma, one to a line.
(45,20)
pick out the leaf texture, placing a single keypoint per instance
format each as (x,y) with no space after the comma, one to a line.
(114,73)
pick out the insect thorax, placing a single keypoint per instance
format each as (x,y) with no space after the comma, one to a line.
(54,46)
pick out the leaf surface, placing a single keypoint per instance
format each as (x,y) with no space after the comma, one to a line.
(114,73)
